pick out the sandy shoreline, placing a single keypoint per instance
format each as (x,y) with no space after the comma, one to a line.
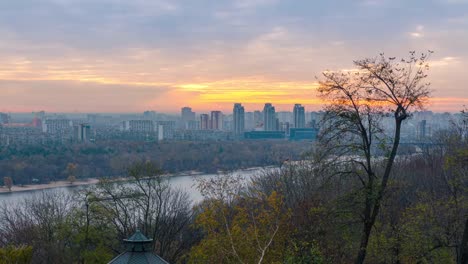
(64,183)
(56,184)
(89,181)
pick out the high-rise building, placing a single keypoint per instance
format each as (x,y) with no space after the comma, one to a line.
(269,118)
(160,132)
(238,119)
(82,132)
(285,116)
(422,130)
(138,126)
(56,126)
(313,123)
(41,115)
(216,120)
(168,128)
(149,115)
(187,114)
(4,118)
(285,126)
(37,122)
(204,122)
(258,119)
(249,121)
(299,116)
(193,125)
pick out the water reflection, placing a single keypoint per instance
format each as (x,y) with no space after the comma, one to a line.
(185,183)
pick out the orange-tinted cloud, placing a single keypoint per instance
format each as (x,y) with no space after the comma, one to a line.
(114,56)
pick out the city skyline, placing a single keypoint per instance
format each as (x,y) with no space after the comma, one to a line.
(131,56)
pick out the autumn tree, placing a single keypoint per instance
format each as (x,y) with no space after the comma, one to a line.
(71,171)
(357,101)
(17,255)
(239,228)
(8,182)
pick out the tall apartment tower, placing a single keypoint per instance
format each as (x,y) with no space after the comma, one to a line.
(82,132)
(216,120)
(422,129)
(56,126)
(269,117)
(257,118)
(238,119)
(299,116)
(187,114)
(204,122)
(188,118)
(4,118)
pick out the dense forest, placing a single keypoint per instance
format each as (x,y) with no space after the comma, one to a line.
(45,163)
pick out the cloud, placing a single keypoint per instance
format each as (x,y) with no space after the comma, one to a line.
(454,1)
(373,2)
(73,96)
(418,33)
(458,20)
(445,61)
(253,3)
(447,104)
(204,51)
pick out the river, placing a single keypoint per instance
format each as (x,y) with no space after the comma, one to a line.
(186,183)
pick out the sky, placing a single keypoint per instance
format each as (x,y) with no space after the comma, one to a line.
(136,55)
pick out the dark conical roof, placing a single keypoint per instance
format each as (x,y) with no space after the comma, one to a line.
(138,251)
(138,237)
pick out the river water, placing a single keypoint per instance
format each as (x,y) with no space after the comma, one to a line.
(186,183)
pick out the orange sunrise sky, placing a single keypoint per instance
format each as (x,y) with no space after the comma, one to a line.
(132,56)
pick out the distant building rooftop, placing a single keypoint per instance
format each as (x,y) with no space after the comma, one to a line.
(303,133)
(265,135)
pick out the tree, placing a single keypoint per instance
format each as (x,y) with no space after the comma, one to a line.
(460,161)
(71,169)
(239,228)
(40,222)
(71,179)
(18,255)
(8,182)
(147,202)
(357,102)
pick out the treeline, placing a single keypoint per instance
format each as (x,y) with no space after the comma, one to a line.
(45,163)
(307,212)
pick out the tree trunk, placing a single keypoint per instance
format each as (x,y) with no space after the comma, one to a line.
(370,218)
(364,241)
(464,245)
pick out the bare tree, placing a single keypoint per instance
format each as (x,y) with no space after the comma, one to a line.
(357,101)
(8,182)
(39,222)
(148,203)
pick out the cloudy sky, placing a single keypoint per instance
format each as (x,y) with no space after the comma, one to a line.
(136,55)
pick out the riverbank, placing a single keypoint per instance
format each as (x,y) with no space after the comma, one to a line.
(51,185)
(90,181)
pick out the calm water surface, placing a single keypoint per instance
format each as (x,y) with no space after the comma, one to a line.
(186,183)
